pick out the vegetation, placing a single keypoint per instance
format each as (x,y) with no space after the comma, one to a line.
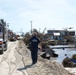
(68,63)
(28,36)
(26,39)
(74,57)
(69,39)
(44,38)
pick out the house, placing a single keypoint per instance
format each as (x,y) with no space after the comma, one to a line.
(59,34)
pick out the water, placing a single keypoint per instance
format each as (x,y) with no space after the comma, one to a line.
(63,53)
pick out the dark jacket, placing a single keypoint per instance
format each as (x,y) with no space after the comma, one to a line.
(34,42)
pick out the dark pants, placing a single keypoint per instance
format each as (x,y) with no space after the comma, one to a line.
(34,55)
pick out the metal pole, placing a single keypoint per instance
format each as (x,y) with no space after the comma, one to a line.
(31,26)
(7,31)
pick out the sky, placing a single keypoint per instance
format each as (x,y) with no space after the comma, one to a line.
(49,14)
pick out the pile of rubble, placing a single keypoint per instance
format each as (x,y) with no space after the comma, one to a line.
(42,67)
(17,61)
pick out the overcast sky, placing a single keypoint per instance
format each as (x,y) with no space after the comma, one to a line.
(50,14)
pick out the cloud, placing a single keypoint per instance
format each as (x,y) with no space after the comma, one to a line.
(43,13)
(2,14)
(48,13)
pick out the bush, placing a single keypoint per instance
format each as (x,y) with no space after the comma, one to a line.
(67,63)
(74,56)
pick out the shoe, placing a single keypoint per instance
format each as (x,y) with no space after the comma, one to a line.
(33,63)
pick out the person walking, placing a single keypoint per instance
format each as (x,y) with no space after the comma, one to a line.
(34,41)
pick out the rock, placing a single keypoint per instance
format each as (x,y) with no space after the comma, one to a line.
(68,62)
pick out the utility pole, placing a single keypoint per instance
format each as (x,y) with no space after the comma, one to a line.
(7,30)
(31,26)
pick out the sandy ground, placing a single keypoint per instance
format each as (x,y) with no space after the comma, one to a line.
(17,61)
(71,70)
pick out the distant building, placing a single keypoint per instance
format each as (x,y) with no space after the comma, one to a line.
(58,34)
